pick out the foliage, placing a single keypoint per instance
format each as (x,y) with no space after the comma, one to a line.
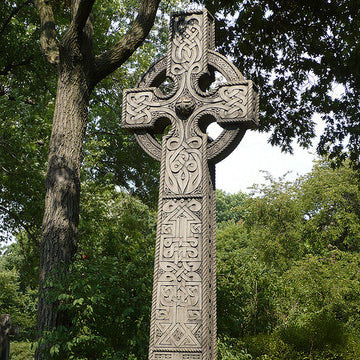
(26,104)
(319,300)
(16,300)
(21,350)
(240,272)
(227,351)
(108,291)
(298,53)
(229,207)
(274,220)
(23,256)
(330,205)
(288,282)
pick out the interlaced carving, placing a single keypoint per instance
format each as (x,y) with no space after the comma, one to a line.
(178,313)
(139,105)
(186,49)
(183,317)
(183,161)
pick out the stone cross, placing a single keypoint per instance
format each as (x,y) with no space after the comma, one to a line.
(183,317)
(5,330)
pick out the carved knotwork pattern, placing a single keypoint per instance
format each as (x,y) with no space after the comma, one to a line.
(183,161)
(139,106)
(234,99)
(186,49)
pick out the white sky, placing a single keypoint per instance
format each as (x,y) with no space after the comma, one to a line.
(244,166)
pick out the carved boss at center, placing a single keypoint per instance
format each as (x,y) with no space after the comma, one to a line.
(183,318)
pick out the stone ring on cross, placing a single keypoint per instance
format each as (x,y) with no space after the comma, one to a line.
(191,64)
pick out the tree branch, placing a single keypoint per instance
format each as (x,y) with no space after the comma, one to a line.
(12,14)
(9,67)
(48,33)
(80,13)
(110,60)
(116,112)
(21,223)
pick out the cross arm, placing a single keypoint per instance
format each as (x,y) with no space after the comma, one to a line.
(232,104)
(146,109)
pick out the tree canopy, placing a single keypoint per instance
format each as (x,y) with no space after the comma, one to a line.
(305,58)
(27,99)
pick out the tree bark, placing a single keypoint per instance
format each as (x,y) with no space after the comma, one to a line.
(61,216)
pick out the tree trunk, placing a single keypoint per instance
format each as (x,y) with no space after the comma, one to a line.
(79,72)
(61,217)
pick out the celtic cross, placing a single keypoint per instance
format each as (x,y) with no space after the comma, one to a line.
(183,317)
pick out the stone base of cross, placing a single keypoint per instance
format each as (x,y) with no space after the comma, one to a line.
(183,317)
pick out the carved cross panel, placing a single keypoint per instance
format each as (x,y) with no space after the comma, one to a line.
(183,318)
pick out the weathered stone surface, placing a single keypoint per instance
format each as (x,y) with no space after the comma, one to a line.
(183,319)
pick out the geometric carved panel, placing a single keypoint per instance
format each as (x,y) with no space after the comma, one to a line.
(178,313)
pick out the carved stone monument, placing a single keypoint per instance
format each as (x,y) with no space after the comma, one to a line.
(183,318)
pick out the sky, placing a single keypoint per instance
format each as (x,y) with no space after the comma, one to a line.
(246,165)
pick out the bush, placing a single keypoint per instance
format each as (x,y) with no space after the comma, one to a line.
(227,350)
(319,332)
(21,351)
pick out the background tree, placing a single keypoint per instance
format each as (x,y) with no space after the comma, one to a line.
(18,299)
(230,207)
(79,71)
(298,53)
(288,279)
